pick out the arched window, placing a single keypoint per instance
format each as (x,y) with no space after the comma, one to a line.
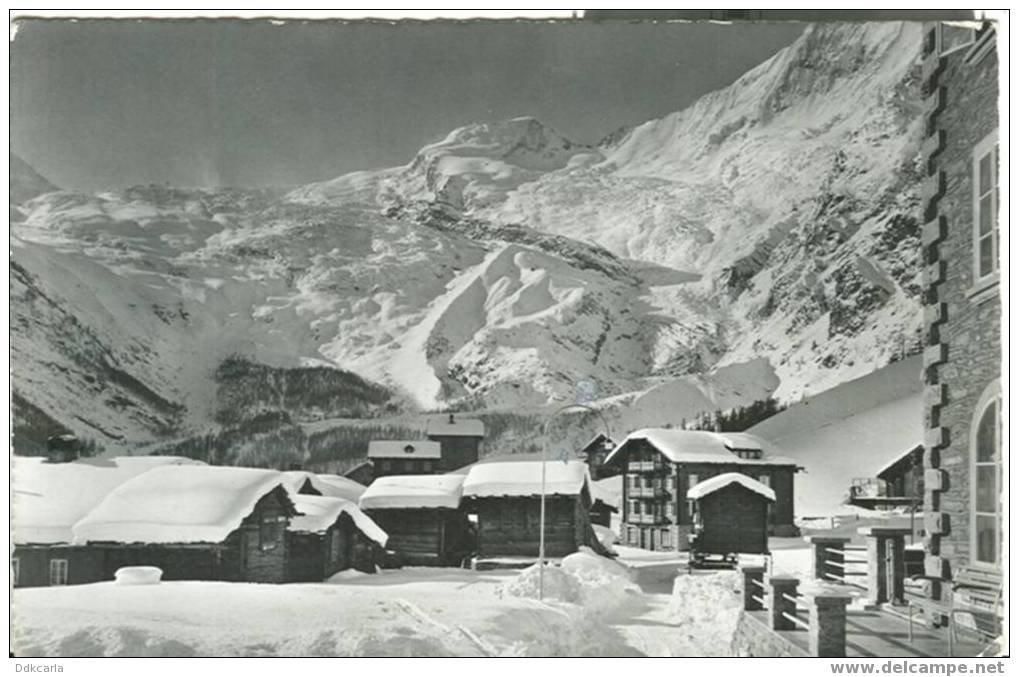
(987,478)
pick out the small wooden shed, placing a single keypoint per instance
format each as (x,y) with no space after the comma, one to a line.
(195,523)
(423,518)
(730,516)
(506,497)
(48,499)
(330,535)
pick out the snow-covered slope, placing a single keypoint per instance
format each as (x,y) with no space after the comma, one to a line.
(791,194)
(763,240)
(852,430)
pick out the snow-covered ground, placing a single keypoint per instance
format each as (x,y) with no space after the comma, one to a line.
(408,612)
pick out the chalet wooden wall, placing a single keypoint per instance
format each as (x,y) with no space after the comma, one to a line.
(735,519)
(426,536)
(84,565)
(510,526)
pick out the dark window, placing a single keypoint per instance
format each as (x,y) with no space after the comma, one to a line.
(270,532)
(987,486)
(985,208)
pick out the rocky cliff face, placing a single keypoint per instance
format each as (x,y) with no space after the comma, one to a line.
(771,224)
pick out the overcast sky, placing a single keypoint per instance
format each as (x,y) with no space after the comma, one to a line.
(110,104)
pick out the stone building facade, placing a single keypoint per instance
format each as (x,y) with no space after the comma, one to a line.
(962,308)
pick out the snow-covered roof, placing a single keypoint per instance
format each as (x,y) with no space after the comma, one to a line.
(404,449)
(318,513)
(335,486)
(608,490)
(901,458)
(49,498)
(713,484)
(602,440)
(338,486)
(702,446)
(178,504)
(524,479)
(413,491)
(455,427)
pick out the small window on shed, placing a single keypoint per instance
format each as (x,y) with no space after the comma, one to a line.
(270,532)
(58,572)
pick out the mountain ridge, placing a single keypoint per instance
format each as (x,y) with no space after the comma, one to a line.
(768,229)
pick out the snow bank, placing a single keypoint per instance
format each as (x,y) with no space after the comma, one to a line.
(713,484)
(138,575)
(413,491)
(596,583)
(318,513)
(706,609)
(177,504)
(524,479)
(606,536)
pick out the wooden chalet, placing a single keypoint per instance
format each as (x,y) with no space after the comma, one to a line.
(423,518)
(330,535)
(48,499)
(506,497)
(404,457)
(730,516)
(195,523)
(595,452)
(661,465)
(459,438)
(898,485)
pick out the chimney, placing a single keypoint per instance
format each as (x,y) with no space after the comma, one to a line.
(451,418)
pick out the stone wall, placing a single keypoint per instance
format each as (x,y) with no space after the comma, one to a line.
(754,639)
(962,357)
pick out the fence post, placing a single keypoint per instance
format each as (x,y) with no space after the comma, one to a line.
(753,585)
(827,633)
(886,565)
(819,566)
(779,586)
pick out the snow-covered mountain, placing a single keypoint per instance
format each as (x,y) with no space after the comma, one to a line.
(765,236)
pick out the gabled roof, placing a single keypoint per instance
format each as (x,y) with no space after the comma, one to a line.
(335,486)
(904,460)
(413,491)
(179,504)
(454,426)
(598,442)
(49,498)
(524,479)
(404,449)
(701,446)
(318,513)
(713,484)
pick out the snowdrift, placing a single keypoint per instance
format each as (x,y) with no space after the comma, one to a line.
(598,584)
